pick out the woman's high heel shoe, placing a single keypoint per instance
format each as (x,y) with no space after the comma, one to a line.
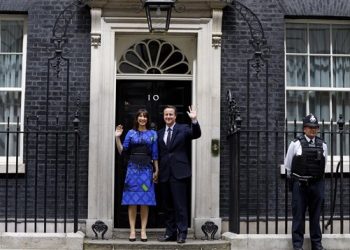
(143,237)
(132,237)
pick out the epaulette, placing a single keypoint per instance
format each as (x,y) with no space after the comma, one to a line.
(320,139)
(298,138)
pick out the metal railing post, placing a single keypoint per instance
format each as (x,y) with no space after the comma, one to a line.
(341,123)
(76,122)
(234,225)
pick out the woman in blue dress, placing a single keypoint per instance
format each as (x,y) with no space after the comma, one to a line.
(140,144)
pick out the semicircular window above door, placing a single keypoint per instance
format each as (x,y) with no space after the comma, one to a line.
(153,56)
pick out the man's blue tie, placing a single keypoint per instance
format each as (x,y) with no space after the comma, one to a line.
(168,138)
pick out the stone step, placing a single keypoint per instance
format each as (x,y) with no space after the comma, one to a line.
(152,233)
(124,244)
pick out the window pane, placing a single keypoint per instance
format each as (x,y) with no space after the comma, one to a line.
(12,141)
(296,71)
(133,58)
(296,105)
(177,69)
(164,52)
(291,131)
(341,72)
(341,39)
(142,52)
(11,36)
(335,143)
(128,68)
(341,105)
(319,105)
(10,106)
(320,74)
(153,48)
(10,70)
(173,59)
(296,35)
(326,135)
(319,39)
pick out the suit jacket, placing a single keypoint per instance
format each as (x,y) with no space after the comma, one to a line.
(174,159)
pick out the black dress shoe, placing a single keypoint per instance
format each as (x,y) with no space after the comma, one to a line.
(181,239)
(166,237)
(318,248)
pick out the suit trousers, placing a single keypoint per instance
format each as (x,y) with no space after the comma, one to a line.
(174,196)
(311,196)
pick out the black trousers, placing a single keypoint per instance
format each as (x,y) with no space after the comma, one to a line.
(311,196)
(174,197)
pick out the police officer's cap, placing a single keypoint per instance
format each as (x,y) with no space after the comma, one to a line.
(310,121)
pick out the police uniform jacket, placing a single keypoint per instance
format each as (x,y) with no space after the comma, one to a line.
(295,149)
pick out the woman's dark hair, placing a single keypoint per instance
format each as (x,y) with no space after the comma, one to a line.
(141,112)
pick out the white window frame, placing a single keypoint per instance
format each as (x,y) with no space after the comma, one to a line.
(12,160)
(336,158)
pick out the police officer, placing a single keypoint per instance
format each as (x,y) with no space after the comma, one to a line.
(305,165)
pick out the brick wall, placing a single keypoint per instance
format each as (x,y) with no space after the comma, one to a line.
(334,9)
(236,50)
(42,15)
(13,6)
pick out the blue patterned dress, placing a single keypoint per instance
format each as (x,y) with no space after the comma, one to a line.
(139,186)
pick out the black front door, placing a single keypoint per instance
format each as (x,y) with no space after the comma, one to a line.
(152,95)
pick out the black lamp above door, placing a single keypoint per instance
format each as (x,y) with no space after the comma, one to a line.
(158,14)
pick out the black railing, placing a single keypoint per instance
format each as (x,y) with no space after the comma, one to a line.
(258,183)
(39,183)
(259,188)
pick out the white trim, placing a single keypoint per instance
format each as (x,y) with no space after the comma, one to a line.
(331,56)
(12,168)
(316,21)
(307,89)
(11,89)
(154,77)
(318,89)
(12,160)
(285,67)
(320,55)
(205,79)
(13,17)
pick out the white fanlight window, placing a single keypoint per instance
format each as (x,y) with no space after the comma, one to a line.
(153,56)
(12,85)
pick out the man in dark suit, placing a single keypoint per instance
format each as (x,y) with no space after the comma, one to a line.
(175,171)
